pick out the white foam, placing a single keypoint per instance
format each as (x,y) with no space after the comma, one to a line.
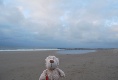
(30,50)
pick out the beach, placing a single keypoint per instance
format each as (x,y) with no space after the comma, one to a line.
(28,65)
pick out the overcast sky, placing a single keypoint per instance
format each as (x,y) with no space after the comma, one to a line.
(59,23)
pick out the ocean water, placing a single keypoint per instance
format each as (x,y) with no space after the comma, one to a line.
(29,49)
(75,51)
(59,51)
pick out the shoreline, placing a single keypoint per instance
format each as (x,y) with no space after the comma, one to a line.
(28,65)
(29,50)
(46,49)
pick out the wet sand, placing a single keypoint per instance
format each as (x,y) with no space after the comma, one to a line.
(28,65)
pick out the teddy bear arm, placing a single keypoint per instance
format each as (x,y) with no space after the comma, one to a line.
(62,74)
(42,77)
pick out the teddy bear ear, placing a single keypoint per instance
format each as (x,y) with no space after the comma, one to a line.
(57,61)
(46,58)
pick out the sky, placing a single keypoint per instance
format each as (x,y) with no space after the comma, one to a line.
(59,23)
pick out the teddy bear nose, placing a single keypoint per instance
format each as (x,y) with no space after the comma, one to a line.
(51,61)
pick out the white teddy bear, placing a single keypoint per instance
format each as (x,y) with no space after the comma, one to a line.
(52,72)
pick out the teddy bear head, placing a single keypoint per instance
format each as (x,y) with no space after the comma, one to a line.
(52,62)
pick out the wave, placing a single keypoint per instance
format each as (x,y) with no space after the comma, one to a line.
(30,50)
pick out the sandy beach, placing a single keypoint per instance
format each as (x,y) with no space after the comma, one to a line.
(28,65)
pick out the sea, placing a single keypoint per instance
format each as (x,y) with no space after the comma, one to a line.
(75,51)
(28,49)
(59,51)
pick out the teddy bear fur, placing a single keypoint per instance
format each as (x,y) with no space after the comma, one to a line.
(52,71)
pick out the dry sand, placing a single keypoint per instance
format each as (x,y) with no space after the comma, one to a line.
(100,65)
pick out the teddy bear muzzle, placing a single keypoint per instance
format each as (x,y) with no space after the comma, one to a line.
(51,61)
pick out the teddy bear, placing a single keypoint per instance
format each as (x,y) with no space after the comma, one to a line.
(52,72)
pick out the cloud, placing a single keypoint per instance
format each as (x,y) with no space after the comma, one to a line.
(74,22)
